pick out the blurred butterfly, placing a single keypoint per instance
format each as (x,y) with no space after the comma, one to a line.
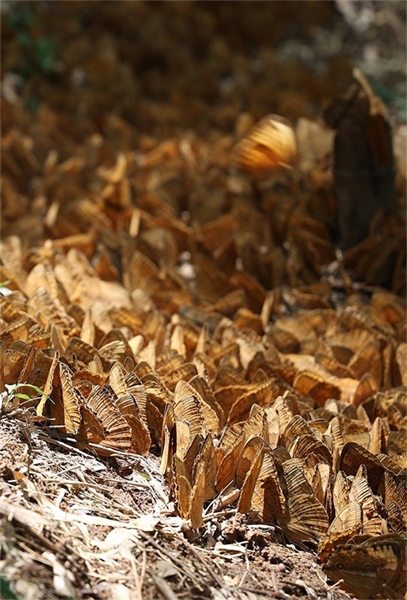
(267,145)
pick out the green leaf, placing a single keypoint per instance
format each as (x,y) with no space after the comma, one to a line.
(45,54)
(13,393)
(34,387)
(5,592)
(24,39)
(32,103)
(22,17)
(22,396)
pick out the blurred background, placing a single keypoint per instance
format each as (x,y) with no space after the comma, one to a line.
(172,86)
(164,67)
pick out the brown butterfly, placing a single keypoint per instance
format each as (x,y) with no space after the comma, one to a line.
(261,490)
(268,144)
(373,568)
(312,384)
(395,499)
(305,518)
(127,403)
(103,425)
(193,479)
(227,455)
(66,400)
(353,455)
